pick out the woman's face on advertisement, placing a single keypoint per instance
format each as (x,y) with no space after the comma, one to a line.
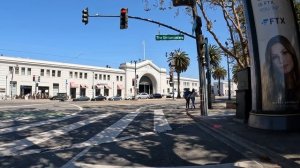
(281,58)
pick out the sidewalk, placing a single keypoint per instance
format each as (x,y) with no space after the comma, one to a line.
(281,148)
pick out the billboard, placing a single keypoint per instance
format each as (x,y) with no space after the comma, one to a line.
(279,55)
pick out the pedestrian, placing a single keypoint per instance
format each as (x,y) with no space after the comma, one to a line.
(192,97)
(187,98)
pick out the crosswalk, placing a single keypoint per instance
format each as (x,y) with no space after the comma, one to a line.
(107,134)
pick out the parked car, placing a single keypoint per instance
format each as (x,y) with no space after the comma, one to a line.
(115,98)
(129,98)
(155,96)
(60,96)
(82,98)
(170,95)
(142,96)
(98,98)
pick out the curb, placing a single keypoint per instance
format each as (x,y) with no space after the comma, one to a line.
(260,151)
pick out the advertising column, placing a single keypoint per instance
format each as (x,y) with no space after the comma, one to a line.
(276,63)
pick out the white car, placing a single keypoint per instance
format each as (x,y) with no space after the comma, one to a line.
(142,96)
(170,95)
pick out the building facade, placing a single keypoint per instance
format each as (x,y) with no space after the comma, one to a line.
(23,78)
(224,90)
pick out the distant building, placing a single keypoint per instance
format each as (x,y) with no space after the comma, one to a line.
(224,90)
(20,77)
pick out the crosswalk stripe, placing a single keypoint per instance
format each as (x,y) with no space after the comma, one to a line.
(13,147)
(241,164)
(160,122)
(23,127)
(105,136)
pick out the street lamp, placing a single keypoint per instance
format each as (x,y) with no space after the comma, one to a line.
(93,85)
(12,78)
(135,79)
(6,87)
(229,85)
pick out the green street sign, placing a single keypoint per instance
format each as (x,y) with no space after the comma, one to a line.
(169,37)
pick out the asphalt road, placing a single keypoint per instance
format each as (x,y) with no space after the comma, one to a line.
(147,133)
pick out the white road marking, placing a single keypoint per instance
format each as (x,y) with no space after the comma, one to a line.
(23,127)
(105,136)
(53,149)
(26,105)
(12,148)
(241,164)
(160,122)
(80,108)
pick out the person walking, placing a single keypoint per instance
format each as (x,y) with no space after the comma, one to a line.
(192,97)
(187,98)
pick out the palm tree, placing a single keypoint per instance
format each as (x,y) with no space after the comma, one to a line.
(219,73)
(181,62)
(214,53)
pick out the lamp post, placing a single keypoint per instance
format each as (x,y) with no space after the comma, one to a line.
(135,79)
(6,87)
(12,78)
(172,68)
(229,85)
(93,85)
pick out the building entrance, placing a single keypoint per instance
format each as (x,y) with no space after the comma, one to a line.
(25,90)
(145,85)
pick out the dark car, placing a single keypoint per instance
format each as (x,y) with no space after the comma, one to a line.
(115,98)
(82,98)
(98,98)
(60,96)
(155,96)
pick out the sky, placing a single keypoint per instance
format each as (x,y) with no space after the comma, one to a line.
(53,31)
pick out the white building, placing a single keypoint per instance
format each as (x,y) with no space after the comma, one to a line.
(224,90)
(20,77)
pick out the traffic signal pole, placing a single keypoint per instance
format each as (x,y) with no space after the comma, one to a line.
(199,43)
(148,20)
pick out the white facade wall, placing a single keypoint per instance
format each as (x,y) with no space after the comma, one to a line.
(118,81)
(224,90)
(185,83)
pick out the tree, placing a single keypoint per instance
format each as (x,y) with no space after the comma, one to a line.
(219,73)
(214,53)
(181,61)
(233,15)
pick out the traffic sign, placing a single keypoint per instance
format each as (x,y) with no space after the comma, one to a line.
(169,37)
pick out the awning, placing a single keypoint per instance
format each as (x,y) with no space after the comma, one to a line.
(99,86)
(120,87)
(73,85)
(107,87)
(83,86)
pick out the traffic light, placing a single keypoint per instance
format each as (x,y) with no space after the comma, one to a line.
(39,79)
(124,18)
(171,77)
(33,79)
(85,16)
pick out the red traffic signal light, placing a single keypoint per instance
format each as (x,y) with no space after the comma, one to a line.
(85,16)
(124,18)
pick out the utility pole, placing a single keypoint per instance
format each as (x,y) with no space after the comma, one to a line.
(228,71)
(207,60)
(199,43)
